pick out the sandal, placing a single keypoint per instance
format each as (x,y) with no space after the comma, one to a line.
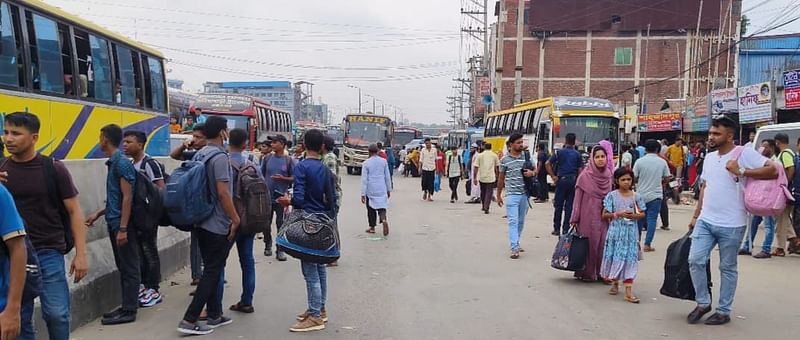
(239,307)
(632,299)
(515,255)
(614,289)
(779,253)
(371,230)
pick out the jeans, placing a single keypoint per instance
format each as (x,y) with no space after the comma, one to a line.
(214,249)
(516,209)
(454,187)
(704,237)
(244,246)
(651,217)
(769,229)
(565,194)
(544,188)
(128,262)
(277,211)
(372,215)
(55,299)
(487,189)
(315,275)
(427,181)
(195,258)
(150,264)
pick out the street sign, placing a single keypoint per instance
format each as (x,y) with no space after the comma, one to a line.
(791,89)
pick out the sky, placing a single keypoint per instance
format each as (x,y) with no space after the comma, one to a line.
(403,53)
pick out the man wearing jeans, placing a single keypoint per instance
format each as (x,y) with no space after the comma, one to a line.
(277,171)
(651,172)
(512,168)
(563,169)
(720,217)
(24,176)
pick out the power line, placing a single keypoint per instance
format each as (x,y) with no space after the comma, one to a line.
(284,41)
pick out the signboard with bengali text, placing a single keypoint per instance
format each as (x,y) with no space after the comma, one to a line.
(755,103)
(660,122)
(724,101)
(791,89)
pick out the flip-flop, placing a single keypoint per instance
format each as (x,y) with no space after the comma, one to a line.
(614,290)
(371,231)
(632,299)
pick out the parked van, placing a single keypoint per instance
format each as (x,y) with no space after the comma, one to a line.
(769,131)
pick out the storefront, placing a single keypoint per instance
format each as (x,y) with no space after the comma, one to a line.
(665,125)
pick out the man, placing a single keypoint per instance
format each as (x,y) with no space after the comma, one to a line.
(664,147)
(381,152)
(485,169)
(120,181)
(277,170)
(541,173)
(650,172)
(427,164)
(214,234)
(401,156)
(25,178)
(185,152)
(313,195)
(563,170)
(200,118)
(133,146)
(12,266)
(720,218)
(237,143)
(626,161)
(641,150)
(473,189)
(795,185)
(677,156)
(751,137)
(264,148)
(453,169)
(512,169)
(785,232)
(299,152)
(376,188)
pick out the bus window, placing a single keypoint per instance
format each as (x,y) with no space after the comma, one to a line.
(125,89)
(137,80)
(101,69)
(503,126)
(66,59)
(510,123)
(544,134)
(157,88)
(522,124)
(531,121)
(148,84)
(8,48)
(48,73)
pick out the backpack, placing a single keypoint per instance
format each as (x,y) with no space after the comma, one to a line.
(55,197)
(765,197)
(187,198)
(795,185)
(148,207)
(677,278)
(531,185)
(252,200)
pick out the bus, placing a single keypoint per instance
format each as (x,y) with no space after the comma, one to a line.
(335,131)
(457,138)
(256,116)
(180,102)
(549,120)
(78,77)
(361,130)
(300,128)
(404,135)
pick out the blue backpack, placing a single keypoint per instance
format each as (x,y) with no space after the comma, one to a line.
(187,198)
(795,182)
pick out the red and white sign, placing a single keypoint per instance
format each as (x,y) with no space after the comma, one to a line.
(791,85)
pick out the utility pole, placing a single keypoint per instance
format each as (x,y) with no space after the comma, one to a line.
(359,96)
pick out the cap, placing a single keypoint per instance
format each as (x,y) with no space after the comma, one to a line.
(277,138)
(474,145)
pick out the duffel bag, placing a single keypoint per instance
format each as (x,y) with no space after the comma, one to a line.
(571,251)
(309,237)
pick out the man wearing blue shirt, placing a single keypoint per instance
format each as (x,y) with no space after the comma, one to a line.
(120,181)
(563,168)
(12,266)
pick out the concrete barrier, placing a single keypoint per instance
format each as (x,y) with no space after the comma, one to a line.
(99,291)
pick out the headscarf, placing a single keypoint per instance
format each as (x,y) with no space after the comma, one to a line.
(594,181)
(609,154)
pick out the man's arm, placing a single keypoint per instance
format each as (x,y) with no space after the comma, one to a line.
(177,153)
(549,167)
(127,201)
(790,172)
(501,184)
(18,259)
(226,199)
(80,266)
(699,207)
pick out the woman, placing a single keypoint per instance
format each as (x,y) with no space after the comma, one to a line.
(594,183)
(609,155)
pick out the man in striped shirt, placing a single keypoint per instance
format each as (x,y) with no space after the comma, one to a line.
(512,168)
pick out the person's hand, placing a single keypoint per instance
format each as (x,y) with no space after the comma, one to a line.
(9,324)
(122,238)
(733,167)
(500,201)
(79,268)
(388,194)
(4,176)
(91,219)
(285,201)
(276,177)
(528,173)
(363,199)
(555,179)
(234,229)
(475,181)
(629,215)
(692,223)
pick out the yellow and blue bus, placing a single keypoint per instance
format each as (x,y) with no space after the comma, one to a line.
(549,120)
(78,77)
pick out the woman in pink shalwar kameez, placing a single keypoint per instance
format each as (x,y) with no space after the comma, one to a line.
(594,183)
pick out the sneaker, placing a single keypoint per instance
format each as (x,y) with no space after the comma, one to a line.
(745,252)
(323,314)
(268,252)
(193,328)
(219,322)
(308,324)
(151,299)
(281,256)
(717,319)
(142,292)
(762,255)
(113,313)
(121,318)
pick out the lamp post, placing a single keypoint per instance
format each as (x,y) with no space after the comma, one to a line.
(359,96)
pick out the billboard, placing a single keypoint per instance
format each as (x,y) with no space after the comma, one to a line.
(660,122)
(697,117)
(724,101)
(755,103)
(791,89)
(483,88)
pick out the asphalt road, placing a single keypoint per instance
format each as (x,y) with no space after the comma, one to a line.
(444,273)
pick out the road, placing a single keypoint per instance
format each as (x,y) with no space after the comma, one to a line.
(444,273)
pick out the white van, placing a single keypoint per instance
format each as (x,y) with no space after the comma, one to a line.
(769,131)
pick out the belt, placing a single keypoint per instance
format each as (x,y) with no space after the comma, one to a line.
(568,176)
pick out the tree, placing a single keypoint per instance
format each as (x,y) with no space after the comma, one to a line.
(745,24)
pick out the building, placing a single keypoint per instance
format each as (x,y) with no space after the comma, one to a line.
(764,59)
(175,84)
(281,94)
(639,52)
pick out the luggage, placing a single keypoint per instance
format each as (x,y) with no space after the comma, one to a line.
(766,197)
(187,198)
(677,279)
(148,208)
(309,237)
(571,251)
(253,201)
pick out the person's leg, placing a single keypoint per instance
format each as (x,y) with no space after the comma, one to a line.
(486,195)
(148,243)
(750,238)
(523,211)
(653,208)
(323,284)
(558,205)
(543,187)
(454,188)
(784,228)
(769,235)
(512,212)
(195,258)
(796,218)
(26,331)
(313,287)
(214,249)
(570,197)
(55,297)
(268,228)
(244,247)
(371,215)
(130,273)
(664,213)
(703,240)
(729,240)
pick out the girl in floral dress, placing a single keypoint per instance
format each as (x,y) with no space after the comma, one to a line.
(622,207)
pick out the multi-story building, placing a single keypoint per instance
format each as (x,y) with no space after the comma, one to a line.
(631,52)
(766,59)
(281,94)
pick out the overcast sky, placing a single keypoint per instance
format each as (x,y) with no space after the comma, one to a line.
(410,49)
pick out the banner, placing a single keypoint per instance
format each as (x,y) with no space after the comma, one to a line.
(755,103)
(696,117)
(660,122)
(724,101)
(791,89)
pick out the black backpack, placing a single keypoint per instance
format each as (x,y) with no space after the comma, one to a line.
(148,206)
(531,184)
(253,200)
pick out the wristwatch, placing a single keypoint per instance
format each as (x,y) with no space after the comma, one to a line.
(741,171)
(123,229)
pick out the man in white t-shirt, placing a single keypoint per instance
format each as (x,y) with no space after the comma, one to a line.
(720,217)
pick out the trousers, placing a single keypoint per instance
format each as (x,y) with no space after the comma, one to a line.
(487,189)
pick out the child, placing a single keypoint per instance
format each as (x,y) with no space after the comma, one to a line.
(622,207)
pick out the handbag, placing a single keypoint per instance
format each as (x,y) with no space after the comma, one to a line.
(677,278)
(571,251)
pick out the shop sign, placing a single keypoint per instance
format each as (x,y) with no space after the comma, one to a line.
(791,89)
(660,122)
(755,103)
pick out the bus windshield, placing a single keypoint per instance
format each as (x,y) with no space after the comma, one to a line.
(403,137)
(235,122)
(337,135)
(588,130)
(366,133)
